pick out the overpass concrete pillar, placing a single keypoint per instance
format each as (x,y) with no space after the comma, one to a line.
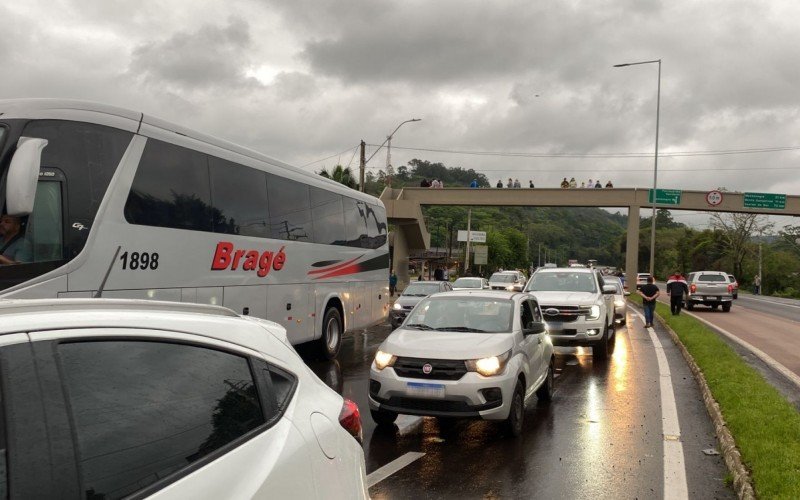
(400,257)
(632,248)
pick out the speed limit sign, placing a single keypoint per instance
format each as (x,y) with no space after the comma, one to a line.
(714,198)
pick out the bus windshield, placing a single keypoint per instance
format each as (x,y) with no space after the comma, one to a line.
(76,168)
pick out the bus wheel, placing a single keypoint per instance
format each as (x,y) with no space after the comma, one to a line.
(331,340)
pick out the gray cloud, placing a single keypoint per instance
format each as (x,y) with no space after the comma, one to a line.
(211,56)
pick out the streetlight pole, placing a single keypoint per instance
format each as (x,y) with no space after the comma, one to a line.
(655,165)
(388,142)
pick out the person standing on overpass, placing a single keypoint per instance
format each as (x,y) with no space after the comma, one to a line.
(676,288)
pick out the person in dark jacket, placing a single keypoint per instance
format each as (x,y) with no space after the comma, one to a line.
(676,289)
(649,293)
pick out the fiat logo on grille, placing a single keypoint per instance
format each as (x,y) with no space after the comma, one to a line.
(551,311)
(427,368)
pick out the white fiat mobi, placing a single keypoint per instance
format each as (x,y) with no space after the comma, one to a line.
(468,354)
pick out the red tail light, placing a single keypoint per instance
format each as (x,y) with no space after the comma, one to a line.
(693,288)
(350,418)
(730,288)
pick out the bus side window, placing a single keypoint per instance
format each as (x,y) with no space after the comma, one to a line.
(326,211)
(289,209)
(355,222)
(171,189)
(239,198)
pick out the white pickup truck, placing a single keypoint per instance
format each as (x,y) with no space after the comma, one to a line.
(577,308)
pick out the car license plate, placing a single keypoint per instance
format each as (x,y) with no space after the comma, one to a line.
(425,390)
(712,298)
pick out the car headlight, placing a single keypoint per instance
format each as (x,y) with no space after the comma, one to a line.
(492,365)
(594,312)
(510,287)
(384,359)
(397,306)
(619,302)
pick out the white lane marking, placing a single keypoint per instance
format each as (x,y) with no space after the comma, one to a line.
(766,358)
(675,486)
(392,467)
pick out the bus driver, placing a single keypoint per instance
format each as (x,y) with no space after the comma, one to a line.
(14,248)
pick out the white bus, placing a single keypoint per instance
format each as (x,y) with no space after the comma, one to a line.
(116,203)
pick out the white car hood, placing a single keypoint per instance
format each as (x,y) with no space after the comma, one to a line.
(565,298)
(446,345)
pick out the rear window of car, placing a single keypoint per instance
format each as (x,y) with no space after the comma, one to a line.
(467,283)
(503,278)
(713,278)
(462,314)
(421,289)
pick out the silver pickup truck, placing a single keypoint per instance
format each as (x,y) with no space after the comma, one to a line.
(709,288)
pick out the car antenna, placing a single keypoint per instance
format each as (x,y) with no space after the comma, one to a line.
(99,292)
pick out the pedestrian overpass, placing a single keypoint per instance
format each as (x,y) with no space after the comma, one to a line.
(403,209)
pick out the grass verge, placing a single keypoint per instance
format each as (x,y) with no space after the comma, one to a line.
(764,425)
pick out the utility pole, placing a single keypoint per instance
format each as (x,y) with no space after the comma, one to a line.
(469,236)
(389,161)
(362,165)
(539,258)
(449,243)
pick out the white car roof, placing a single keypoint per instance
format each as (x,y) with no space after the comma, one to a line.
(22,316)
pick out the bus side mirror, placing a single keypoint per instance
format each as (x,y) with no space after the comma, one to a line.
(23,175)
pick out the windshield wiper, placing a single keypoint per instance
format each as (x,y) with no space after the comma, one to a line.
(419,326)
(459,329)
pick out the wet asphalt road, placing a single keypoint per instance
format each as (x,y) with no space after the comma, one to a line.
(601,437)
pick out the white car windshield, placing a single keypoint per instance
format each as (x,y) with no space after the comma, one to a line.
(462,314)
(423,289)
(562,282)
(467,283)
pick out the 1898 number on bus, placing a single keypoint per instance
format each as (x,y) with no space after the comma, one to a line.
(137,260)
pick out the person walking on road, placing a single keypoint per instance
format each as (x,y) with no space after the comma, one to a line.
(676,288)
(757,285)
(392,283)
(649,293)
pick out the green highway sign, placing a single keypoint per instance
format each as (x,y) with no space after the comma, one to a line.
(765,200)
(665,196)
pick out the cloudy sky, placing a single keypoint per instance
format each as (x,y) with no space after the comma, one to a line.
(304,80)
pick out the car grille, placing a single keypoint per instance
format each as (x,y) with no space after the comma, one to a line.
(565,314)
(408,308)
(443,369)
(429,404)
